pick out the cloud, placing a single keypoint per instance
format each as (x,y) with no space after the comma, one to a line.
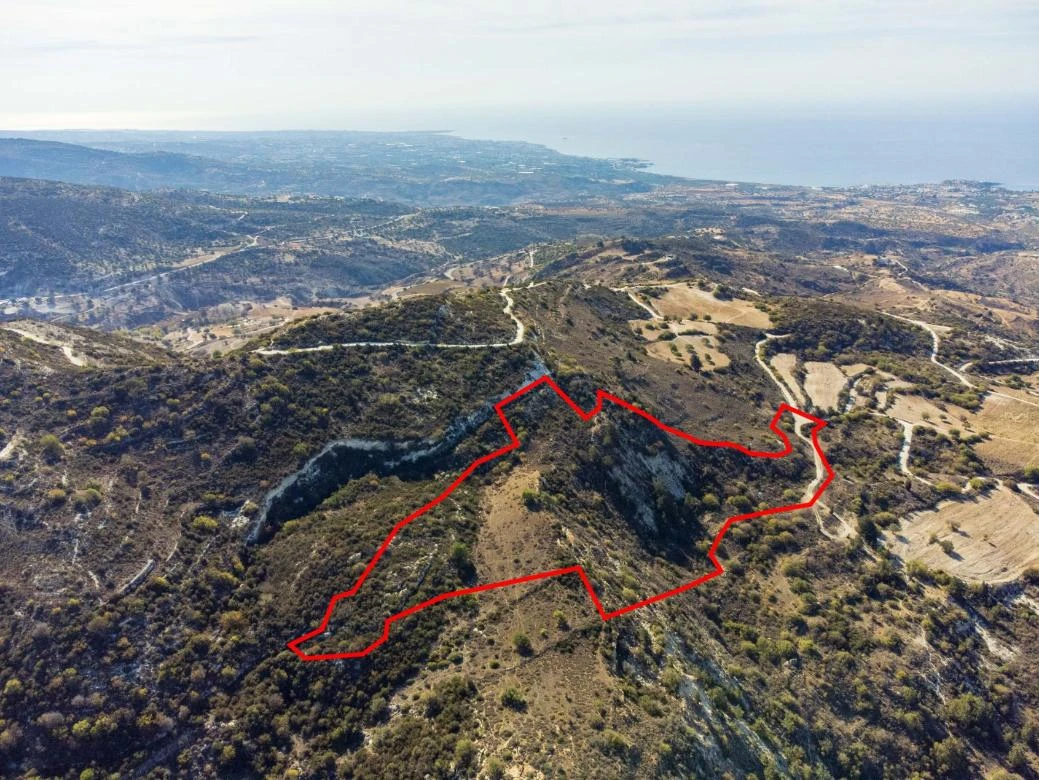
(302,59)
(169,42)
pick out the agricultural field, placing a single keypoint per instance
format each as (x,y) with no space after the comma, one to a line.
(990,538)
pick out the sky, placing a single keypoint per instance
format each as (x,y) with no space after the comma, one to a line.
(390,64)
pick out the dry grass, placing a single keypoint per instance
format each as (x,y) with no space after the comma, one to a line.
(995,538)
(1014,426)
(513,540)
(823,383)
(706,349)
(854,369)
(690,336)
(681,300)
(784,364)
(920,411)
(1011,427)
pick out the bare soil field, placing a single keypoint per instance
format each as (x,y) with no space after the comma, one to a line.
(695,335)
(823,383)
(920,411)
(435,287)
(884,292)
(1010,314)
(511,534)
(995,538)
(1011,427)
(247,320)
(1014,426)
(681,300)
(784,365)
(913,299)
(854,369)
(706,349)
(679,327)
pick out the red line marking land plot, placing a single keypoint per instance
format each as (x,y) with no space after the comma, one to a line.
(514,443)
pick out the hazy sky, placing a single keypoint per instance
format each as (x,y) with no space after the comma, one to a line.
(225,64)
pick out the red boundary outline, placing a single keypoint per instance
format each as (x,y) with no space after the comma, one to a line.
(513,444)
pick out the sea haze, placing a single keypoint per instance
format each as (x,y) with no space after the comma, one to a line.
(815,148)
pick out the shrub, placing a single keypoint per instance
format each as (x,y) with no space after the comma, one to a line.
(868,529)
(613,743)
(462,560)
(513,699)
(204,523)
(86,499)
(465,753)
(950,758)
(246,450)
(494,769)
(522,644)
(50,448)
(532,499)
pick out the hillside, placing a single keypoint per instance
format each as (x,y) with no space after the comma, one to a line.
(272,384)
(175,523)
(423,169)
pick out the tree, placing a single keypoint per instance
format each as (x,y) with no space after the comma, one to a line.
(462,560)
(868,529)
(950,758)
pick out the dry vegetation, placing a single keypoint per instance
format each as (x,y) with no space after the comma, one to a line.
(823,383)
(784,365)
(991,538)
(681,300)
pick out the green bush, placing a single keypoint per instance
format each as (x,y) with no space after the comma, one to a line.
(50,448)
(461,558)
(204,523)
(514,699)
(521,642)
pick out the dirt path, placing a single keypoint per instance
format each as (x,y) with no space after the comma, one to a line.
(820,509)
(643,304)
(788,396)
(521,331)
(519,338)
(907,443)
(192,262)
(936,343)
(39,338)
(1013,398)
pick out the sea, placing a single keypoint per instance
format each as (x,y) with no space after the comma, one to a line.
(848,146)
